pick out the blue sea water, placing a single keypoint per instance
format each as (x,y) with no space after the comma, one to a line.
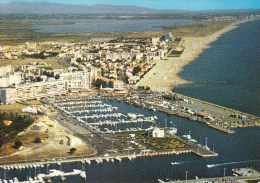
(235,59)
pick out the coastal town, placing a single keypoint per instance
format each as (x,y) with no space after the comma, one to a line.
(111,65)
(79,103)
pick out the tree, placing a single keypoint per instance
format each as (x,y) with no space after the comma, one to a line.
(136,70)
(73,150)
(18,143)
(37,140)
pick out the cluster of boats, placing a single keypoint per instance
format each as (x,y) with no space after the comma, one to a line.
(14,180)
(122,121)
(21,166)
(109,109)
(78,102)
(42,177)
(97,113)
(98,116)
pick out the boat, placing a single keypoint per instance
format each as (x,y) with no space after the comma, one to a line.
(187,136)
(134,115)
(193,140)
(62,178)
(210,166)
(118,158)
(160,181)
(83,175)
(171,130)
(175,163)
(206,147)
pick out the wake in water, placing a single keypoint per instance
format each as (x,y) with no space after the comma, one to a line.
(230,163)
(177,163)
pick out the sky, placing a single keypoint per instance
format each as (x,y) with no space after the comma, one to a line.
(165,4)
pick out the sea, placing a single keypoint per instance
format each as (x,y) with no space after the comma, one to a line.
(234,59)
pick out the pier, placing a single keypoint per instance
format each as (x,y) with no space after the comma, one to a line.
(114,115)
(42,178)
(122,122)
(198,149)
(215,116)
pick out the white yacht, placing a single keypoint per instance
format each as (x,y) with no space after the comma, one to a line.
(171,130)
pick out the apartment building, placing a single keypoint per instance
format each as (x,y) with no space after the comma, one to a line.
(32,91)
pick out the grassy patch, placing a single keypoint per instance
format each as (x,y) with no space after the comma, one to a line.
(19,123)
(12,107)
(52,62)
(165,143)
(158,143)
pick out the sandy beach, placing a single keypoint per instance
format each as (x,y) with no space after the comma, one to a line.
(164,76)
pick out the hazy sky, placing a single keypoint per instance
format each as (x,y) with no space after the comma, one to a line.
(166,4)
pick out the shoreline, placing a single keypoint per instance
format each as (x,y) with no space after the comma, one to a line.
(164,76)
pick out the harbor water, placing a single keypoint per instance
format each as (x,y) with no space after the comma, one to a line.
(236,150)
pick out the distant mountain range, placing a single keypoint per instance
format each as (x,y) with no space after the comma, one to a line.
(55,8)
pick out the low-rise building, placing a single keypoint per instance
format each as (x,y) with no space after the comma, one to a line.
(157,132)
(116,84)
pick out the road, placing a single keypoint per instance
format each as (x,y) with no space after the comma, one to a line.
(103,143)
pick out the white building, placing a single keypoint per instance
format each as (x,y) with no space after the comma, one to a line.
(157,132)
(10,79)
(8,95)
(117,84)
(76,81)
(155,40)
(73,141)
(161,54)
(32,91)
(5,70)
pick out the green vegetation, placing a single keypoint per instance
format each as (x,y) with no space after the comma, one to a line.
(73,150)
(51,62)
(143,88)
(11,107)
(19,123)
(18,143)
(37,140)
(199,30)
(166,143)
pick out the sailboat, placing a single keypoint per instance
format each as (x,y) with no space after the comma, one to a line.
(83,172)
